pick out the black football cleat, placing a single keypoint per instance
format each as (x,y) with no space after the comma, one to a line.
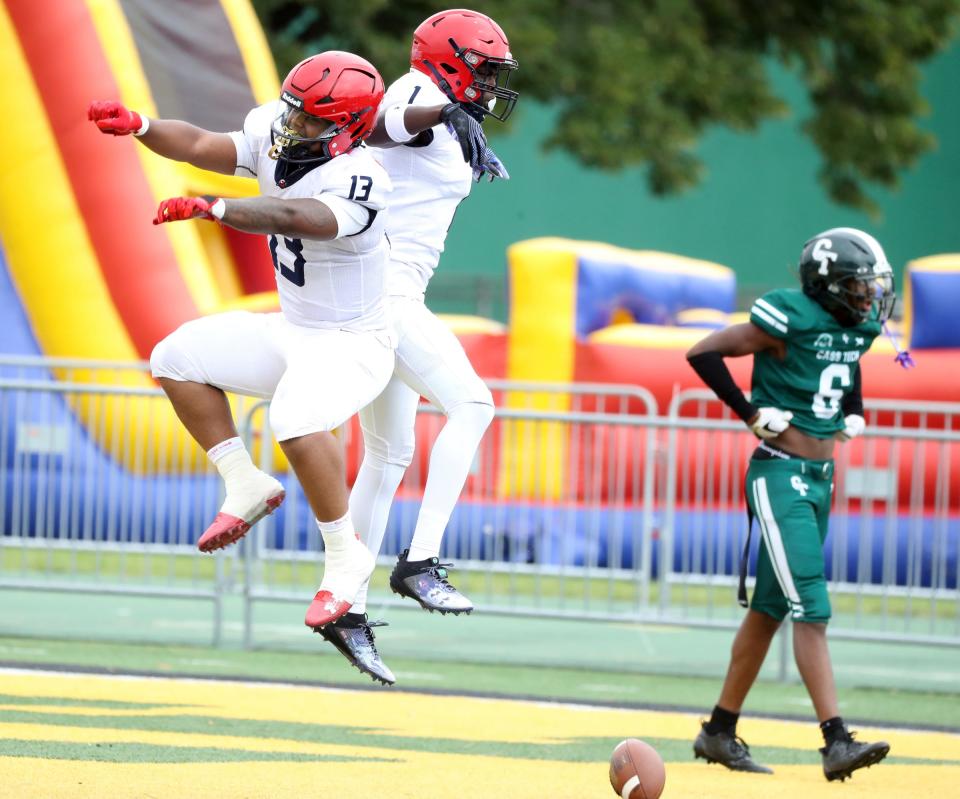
(426,582)
(728,750)
(844,755)
(353,638)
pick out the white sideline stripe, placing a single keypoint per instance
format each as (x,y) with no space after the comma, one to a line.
(769,319)
(771,534)
(949,677)
(629,785)
(772,310)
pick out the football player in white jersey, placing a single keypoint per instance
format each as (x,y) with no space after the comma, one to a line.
(329,351)
(433,149)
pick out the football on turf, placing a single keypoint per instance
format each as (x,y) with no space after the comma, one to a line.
(636,770)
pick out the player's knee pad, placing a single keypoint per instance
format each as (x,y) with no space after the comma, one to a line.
(479,398)
(475,416)
(171,359)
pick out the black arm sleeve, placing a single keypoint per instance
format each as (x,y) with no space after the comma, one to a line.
(714,372)
(852,401)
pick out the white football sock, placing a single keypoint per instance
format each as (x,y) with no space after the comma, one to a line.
(429,535)
(370,502)
(337,534)
(450,461)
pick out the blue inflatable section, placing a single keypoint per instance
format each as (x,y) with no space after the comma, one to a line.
(129,508)
(88,496)
(934,297)
(94,498)
(650,295)
(16,336)
(519,533)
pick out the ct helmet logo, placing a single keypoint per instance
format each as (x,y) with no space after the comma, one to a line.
(824,255)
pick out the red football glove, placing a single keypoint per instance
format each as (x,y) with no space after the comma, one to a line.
(178,208)
(113,118)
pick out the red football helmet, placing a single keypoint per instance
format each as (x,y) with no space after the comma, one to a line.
(338,93)
(468,56)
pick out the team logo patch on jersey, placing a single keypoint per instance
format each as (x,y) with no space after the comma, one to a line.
(824,341)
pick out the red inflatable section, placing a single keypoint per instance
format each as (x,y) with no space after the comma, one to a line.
(936,377)
(137,260)
(664,372)
(254,267)
(488,355)
(917,473)
(923,469)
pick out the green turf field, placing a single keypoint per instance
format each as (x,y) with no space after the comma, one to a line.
(79,736)
(123,696)
(620,664)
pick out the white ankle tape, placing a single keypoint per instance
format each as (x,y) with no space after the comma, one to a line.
(339,528)
(218,451)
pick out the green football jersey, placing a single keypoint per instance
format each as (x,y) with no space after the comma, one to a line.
(821,360)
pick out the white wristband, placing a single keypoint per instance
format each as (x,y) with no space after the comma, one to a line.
(219,208)
(144,127)
(394,124)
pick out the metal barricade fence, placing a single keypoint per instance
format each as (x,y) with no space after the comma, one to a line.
(96,496)
(571,540)
(891,553)
(582,503)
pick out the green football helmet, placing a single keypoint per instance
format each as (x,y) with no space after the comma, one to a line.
(847,272)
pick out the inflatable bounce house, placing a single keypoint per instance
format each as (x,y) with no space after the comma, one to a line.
(85,275)
(590,313)
(92,277)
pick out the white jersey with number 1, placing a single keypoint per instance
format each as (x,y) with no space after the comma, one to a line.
(430,179)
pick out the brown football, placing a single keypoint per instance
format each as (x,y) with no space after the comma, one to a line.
(636,770)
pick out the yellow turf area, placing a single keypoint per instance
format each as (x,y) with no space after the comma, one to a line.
(72,736)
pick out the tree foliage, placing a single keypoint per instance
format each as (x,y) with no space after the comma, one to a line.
(639,81)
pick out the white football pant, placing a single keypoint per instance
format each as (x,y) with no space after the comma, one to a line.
(431,362)
(318,378)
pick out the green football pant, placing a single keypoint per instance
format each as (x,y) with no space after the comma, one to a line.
(791,501)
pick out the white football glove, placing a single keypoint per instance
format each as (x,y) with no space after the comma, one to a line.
(771,422)
(853,425)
